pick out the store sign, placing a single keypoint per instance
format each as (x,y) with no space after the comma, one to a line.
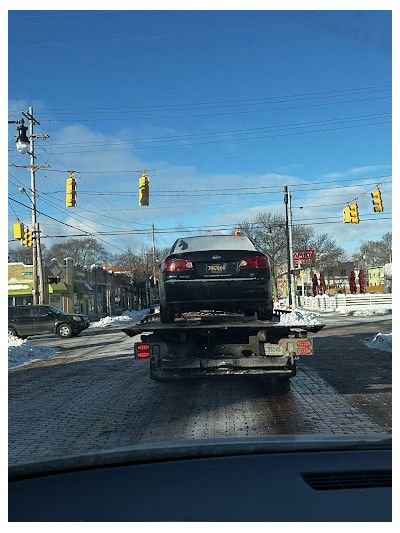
(303,256)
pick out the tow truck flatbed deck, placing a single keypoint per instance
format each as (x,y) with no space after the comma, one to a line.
(211,322)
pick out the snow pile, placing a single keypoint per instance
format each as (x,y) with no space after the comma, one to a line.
(22,351)
(370,310)
(127,316)
(299,317)
(381,341)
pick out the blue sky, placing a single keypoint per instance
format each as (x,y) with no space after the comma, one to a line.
(223,108)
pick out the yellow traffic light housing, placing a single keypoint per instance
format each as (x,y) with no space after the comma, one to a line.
(28,238)
(377,201)
(346,215)
(18,230)
(354,214)
(71,192)
(144,190)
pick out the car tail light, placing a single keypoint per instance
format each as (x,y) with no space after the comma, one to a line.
(177,265)
(254,261)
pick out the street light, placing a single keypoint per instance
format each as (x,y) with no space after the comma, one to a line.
(22,141)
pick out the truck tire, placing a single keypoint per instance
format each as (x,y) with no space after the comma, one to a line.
(167,314)
(265,312)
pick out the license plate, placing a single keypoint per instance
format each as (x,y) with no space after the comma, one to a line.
(219,268)
(273,349)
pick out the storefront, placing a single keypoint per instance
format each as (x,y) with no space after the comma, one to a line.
(57,294)
(20,293)
(83,298)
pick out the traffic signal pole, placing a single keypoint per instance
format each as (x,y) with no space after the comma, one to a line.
(37,288)
(291,284)
(35,299)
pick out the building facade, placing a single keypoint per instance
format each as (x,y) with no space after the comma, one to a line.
(93,291)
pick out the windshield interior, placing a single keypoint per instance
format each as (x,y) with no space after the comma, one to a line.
(150,134)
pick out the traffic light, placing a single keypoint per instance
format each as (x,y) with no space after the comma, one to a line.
(354,214)
(144,190)
(237,232)
(296,271)
(18,230)
(346,215)
(71,192)
(377,200)
(53,279)
(28,238)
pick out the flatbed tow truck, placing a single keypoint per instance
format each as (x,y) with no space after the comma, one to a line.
(209,344)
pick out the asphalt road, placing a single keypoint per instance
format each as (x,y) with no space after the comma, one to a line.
(92,395)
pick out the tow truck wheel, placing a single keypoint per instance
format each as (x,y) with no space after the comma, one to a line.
(167,314)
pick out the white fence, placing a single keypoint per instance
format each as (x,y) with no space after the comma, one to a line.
(345,301)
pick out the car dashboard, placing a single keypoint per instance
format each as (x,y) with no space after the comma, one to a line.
(229,480)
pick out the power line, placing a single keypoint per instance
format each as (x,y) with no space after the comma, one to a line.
(150,37)
(147,140)
(185,144)
(119,119)
(222,103)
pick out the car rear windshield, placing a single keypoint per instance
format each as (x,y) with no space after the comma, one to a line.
(213,242)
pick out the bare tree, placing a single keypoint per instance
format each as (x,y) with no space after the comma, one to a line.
(83,251)
(269,233)
(375,253)
(22,254)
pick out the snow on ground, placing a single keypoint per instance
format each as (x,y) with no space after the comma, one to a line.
(298,317)
(381,341)
(21,352)
(370,310)
(127,316)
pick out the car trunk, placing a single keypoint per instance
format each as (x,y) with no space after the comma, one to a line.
(216,265)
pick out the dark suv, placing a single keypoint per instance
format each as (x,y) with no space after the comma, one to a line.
(26,320)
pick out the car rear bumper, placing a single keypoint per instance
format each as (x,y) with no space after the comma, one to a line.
(224,293)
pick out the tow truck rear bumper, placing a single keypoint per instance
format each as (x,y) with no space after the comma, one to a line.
(283,365)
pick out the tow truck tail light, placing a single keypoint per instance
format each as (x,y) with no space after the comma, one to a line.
(254,261)
(177,265)
(306,347)
(142,350)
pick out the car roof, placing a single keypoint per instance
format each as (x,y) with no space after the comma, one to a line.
(213,242)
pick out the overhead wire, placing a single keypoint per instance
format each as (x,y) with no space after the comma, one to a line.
(119,119)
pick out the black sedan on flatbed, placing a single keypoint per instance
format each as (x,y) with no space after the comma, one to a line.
(215,272)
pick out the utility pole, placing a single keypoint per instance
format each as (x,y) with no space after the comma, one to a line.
(154,256)
(37,296)
(291,284)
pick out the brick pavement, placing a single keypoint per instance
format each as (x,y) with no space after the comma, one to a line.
(98,397)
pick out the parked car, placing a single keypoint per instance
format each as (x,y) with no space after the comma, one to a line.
(154,306)
(216,272)
(26,320)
